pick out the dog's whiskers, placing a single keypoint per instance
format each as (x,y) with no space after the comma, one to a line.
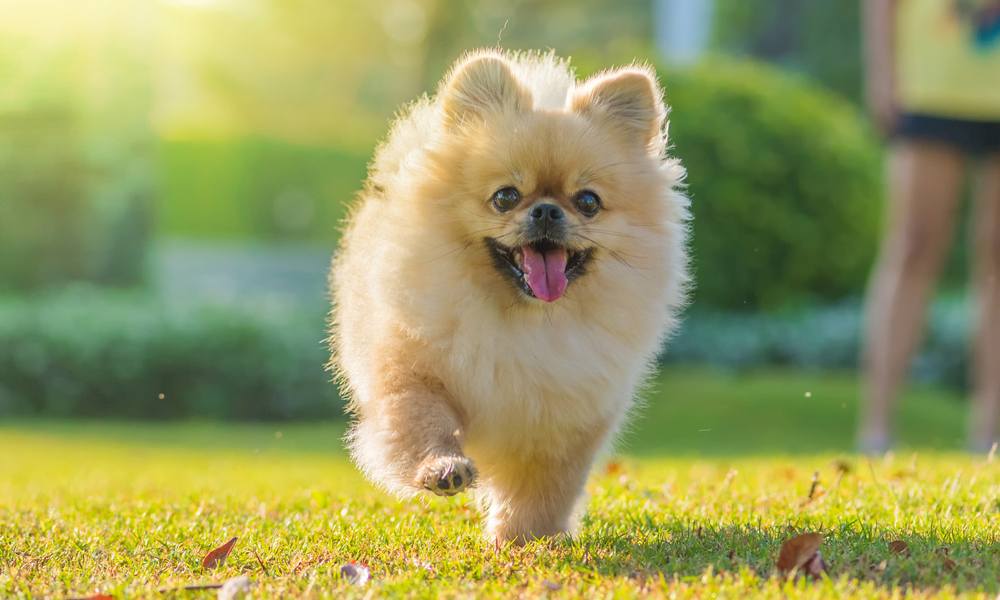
(618,256)
(606,232)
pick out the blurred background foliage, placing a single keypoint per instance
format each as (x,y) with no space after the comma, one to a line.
(820,39)
(173,172)
(785,186)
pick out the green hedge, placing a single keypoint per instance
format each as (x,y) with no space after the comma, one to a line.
(824,338)
(785,186)
(819,38)
(98,353)
(88,352)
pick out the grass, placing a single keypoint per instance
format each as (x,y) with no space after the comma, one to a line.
(716,474)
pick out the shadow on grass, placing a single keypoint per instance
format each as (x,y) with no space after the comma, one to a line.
(851,551)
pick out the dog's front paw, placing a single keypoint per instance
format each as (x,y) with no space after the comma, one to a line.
(446,475)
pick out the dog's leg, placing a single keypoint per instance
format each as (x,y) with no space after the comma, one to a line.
(538,496)
(410,439)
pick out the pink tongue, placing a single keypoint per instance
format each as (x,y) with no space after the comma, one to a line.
(545,272)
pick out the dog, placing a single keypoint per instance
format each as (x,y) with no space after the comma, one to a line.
(504,283)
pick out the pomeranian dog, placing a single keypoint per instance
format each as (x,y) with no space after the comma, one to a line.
(505,281)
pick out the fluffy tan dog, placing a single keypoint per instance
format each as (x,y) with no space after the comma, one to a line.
(509,273)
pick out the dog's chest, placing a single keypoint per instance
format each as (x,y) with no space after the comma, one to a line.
(524,384)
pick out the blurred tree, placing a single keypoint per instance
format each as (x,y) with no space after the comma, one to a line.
(42,220)
(270,108)
(315,71)
(820,38)
(75,143)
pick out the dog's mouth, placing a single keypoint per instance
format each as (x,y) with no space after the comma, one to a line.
(542,269)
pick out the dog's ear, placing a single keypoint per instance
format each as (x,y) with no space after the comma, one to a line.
(481,84)
(629,99)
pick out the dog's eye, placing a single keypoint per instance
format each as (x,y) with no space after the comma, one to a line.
(587,202)
(505,199)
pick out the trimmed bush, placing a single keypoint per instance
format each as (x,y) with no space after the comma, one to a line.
(785,186)
(819,38)
(825,338)
(98,353)
(90,352)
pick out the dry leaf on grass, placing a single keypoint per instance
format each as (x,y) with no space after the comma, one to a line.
(217,557)
(355,573)
(946,561)
(899,547)
(801,553)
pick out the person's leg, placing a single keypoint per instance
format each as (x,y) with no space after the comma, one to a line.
(985,412)
(924,184)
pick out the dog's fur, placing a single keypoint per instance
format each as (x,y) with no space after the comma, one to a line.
(457,378)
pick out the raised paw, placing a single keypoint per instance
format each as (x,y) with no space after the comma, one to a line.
(446,475)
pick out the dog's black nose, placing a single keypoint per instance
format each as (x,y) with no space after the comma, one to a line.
(543,214)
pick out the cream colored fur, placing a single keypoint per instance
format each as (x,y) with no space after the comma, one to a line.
(449,368)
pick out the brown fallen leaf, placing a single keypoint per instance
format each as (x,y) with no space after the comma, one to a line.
(614,467)
(899,547)
(798,551)
(355,573)
(217,557)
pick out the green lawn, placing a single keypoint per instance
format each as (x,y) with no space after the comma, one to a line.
(716,474)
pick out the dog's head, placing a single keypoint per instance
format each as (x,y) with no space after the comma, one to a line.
(540,191)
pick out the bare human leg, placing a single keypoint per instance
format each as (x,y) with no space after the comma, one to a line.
(985,413)
(924,181)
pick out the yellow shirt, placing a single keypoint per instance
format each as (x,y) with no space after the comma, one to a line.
(948,58)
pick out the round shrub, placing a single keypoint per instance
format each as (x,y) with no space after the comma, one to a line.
(85,351)
(785,185)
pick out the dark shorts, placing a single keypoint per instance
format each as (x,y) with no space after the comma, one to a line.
(971,137)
